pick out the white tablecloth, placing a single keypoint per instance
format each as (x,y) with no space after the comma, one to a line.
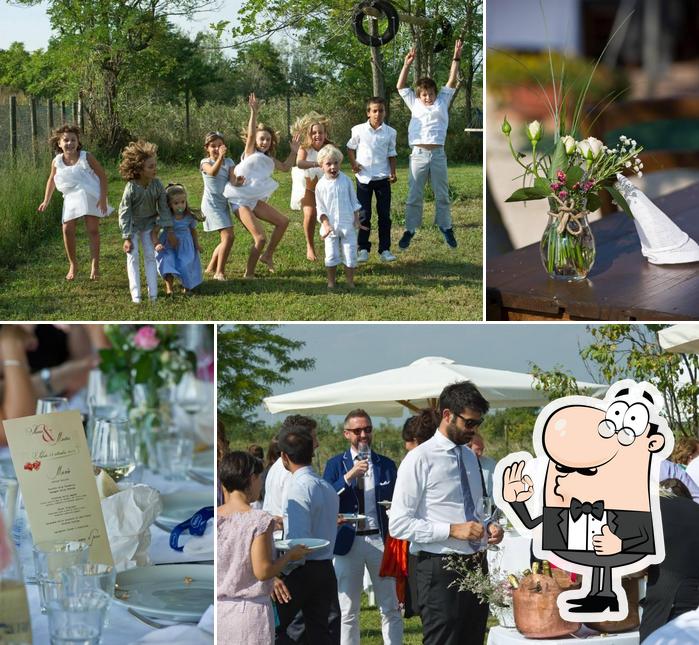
(683,630)
(501,636)
(123,628)
(513,556)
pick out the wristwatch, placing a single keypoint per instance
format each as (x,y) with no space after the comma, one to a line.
(45,376)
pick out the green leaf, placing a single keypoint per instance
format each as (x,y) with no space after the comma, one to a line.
(620,201)
(593,202)
(528,194)
(573,176)
(543,185)
(559,160)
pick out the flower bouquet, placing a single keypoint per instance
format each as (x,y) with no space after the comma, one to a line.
(570,177)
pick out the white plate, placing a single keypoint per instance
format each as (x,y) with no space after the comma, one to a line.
(352,517)
(312,543)
(178,507)
(163,591)
(203,463)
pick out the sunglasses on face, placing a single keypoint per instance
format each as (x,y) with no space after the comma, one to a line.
(358,431)
(471,424)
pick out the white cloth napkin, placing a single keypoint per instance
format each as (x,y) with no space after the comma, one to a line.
(662,241)
(201,634)
(128,515)
(200,545)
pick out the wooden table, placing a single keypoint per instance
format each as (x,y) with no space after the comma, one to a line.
(622,285)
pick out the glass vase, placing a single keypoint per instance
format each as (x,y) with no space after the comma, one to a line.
(568,245)
(150,413)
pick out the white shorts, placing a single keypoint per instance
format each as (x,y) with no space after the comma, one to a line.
(341,247)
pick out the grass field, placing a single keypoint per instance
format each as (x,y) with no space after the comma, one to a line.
(428,282)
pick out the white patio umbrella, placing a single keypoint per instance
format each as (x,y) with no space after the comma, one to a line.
(682,338)
(418,385)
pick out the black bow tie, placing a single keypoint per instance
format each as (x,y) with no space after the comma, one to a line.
(577,508)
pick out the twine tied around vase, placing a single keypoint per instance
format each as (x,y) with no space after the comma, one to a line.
(568,217)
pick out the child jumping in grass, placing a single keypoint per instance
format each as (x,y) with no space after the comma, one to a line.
(143,206)
(183,261)
(83,182)
(427,132)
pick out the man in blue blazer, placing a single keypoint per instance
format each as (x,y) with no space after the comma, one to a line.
(361,484)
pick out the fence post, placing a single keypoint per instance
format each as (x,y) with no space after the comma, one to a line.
(49,114)
(186,112)
(13,126)
(75,113)
(63,112)
(35,129)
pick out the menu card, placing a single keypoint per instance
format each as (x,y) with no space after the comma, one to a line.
(56,477)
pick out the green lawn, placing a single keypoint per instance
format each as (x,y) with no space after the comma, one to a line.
(428,282)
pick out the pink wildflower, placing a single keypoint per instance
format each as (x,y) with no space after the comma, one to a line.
(561,176)
(563,194)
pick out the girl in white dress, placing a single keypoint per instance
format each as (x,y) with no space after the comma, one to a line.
(250,197)
(83,182)
(314,130)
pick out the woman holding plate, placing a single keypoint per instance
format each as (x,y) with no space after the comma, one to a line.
(246,569)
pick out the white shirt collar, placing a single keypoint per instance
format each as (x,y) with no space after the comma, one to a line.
(368,124)
(300,471)
(443,441)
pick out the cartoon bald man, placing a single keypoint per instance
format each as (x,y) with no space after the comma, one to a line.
(601,514)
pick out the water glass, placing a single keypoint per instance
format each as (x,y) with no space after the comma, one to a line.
(9,500)
(50,558)
(51,404)
(78,620)
(173,454)
(87,577)
(112,448)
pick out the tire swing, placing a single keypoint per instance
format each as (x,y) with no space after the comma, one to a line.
(381,6)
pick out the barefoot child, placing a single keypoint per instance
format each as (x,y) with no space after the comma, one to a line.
(183,261)
(372,155)
(251,196)
(143,206)
(83,182)
(314,129)
(426,134)
(215,169)
(338,213)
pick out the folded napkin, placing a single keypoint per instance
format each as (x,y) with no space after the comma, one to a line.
(128,515)
(201,634)
(662,241)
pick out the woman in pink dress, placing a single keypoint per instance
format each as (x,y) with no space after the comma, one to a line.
(245,567)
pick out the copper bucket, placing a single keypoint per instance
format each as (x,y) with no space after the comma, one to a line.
(632,620)
(536,611)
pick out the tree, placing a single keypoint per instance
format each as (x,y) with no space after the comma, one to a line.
(251,359)
(260,68)
(633,351)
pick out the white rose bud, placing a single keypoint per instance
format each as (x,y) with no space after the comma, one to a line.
(584,149)
(569,143)
(596,146)
(534,131)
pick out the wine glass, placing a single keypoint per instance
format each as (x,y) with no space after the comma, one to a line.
(486,512)
(51,404)
(190,398)
(112,449)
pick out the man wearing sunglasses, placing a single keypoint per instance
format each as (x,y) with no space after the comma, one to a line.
(434,507)
(363,479)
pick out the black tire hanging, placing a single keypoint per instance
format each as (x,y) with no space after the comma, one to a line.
(444,31)
(388,10)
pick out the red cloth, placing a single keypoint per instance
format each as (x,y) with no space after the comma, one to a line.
(394,564)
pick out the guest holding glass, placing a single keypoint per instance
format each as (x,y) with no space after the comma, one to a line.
(310,512)
(435,507)
(245,568)
(363,479)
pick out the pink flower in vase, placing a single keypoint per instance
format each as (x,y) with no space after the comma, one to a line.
(146,338)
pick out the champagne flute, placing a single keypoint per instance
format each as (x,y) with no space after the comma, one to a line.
(112,449)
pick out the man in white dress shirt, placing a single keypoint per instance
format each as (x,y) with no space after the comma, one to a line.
(434,507)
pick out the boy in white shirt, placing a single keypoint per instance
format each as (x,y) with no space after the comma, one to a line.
(426,134)
(338,213)
(372,155)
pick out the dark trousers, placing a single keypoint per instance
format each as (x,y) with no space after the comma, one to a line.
(449,616)
(382,189)
(313,590)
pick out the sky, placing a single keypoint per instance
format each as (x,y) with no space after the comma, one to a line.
(31,26)
(344,351)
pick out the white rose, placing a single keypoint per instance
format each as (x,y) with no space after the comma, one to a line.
(534,131)
(584,148)
(596,146)
(569,144)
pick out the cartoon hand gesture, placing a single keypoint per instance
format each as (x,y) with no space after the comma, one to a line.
(606,543)
(516,487)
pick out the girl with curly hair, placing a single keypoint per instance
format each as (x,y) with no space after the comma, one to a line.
(143,206)
(252,185)
(83,182)
(314,130)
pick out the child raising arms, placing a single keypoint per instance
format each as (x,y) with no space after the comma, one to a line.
(250,197)
(143,204)
(215,170)
(314,130)
(183,261)
(83,182)
(427,131)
